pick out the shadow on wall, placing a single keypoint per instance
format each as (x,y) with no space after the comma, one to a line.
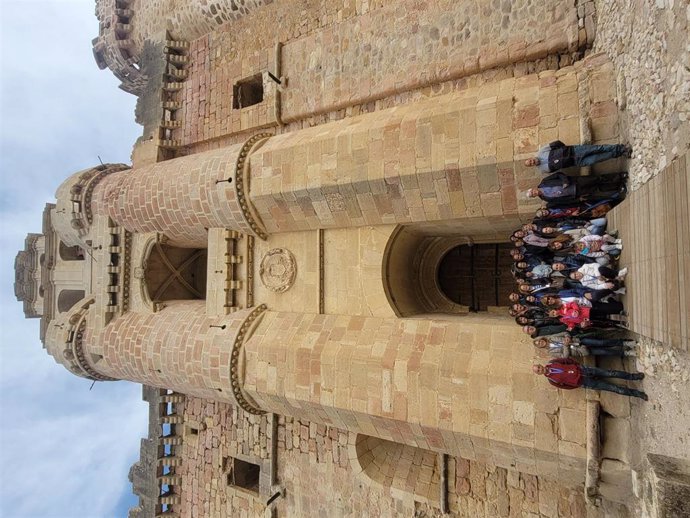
(398,469)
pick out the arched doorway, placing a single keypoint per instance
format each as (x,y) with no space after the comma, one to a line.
(477,275)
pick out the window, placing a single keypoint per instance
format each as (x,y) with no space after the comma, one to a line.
(243,474)
(248,92)
(68,298)
(70,253)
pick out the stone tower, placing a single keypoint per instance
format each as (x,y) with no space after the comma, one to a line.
(278,260)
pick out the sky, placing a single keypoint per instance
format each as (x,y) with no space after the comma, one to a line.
(65,450)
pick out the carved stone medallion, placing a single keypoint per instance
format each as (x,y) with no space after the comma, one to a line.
(278,270)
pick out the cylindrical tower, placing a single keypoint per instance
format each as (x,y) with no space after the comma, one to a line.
(178,348)
(183,197)
(461,386)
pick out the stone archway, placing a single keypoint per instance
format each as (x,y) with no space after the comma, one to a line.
(399,469)
(421,275)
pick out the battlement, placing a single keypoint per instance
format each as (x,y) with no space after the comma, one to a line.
(126,25)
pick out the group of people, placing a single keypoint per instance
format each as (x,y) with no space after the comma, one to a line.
(566,269)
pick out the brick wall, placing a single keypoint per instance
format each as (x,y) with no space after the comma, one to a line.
(179,197)
(340,54)
(315,466)
(175,348)
(416,382)
(453,156)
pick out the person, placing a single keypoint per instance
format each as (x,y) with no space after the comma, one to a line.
(523,299)
(536,332)
(598,246)
(559,190)
(566,373)
(574,313)
(556,155)
(597,277)
(563,346)
(572,262)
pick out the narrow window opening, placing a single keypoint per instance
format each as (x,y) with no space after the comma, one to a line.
(244,475)
(248,92)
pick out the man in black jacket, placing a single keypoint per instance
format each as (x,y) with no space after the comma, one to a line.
(560,190)
(556,155)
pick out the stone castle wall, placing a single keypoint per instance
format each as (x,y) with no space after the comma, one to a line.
(314,465)
(179,348)
(342,54)
(461,386)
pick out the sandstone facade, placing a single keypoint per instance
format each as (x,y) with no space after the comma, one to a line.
(269,262)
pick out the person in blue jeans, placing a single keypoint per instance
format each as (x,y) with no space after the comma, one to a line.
(566,373)
(565,345)
(556,155)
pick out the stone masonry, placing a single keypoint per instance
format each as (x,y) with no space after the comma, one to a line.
(268,266)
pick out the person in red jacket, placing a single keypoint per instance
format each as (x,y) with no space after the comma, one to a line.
(566,373)
(574,314)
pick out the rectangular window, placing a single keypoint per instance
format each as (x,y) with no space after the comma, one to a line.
(244,475)
(248,92)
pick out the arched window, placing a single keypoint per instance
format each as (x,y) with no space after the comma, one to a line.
(70,253)
(68,298)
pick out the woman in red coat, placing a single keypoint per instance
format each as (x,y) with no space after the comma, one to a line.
(574,314)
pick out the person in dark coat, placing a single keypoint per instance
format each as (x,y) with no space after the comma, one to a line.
(556,155)
(559,190)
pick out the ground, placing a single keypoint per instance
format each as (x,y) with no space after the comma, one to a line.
(648,43)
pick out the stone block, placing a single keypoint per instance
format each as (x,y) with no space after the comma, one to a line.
(605,128)
(571,425)
(615,480)
(614,404)
(523,412)
(670,486)
(546,432)
(616,438)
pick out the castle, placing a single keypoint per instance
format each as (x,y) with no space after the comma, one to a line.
(305,263)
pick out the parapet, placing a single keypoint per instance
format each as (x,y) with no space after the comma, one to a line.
(27,275)
(73,217)
(125,25)
(113,48)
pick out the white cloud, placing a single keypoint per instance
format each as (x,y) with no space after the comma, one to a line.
(65,451)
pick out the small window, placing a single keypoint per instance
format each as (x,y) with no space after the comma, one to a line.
(248,92)
(244,475)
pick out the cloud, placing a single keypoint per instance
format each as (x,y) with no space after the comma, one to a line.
(65,450)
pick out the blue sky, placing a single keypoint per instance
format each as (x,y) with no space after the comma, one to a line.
(65,450)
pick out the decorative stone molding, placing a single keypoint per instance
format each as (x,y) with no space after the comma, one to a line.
(242,180)
(235,362)
(278,270)
(174,75)
(73,215)
(322,273)
(27,275)
(74,346)
(250,271)
(119,271)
